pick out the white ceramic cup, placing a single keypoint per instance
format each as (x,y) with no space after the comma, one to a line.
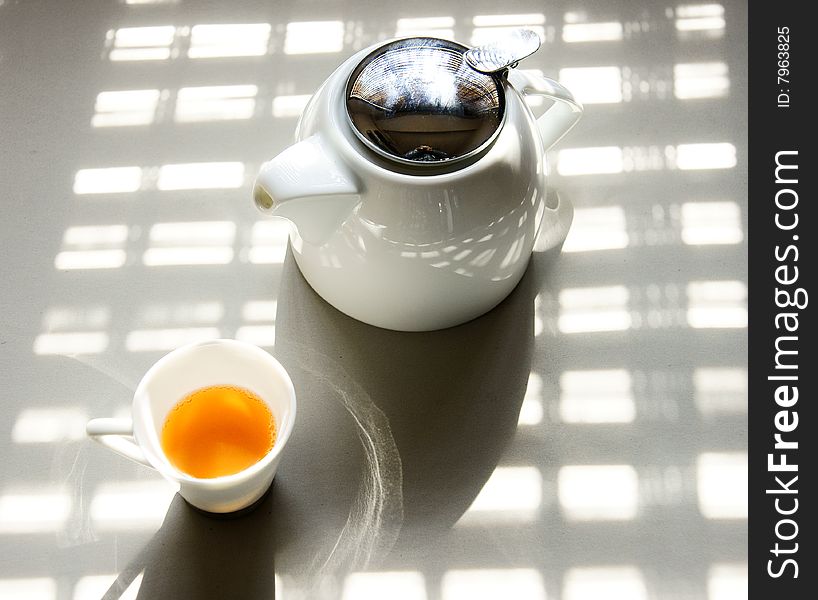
(185,370)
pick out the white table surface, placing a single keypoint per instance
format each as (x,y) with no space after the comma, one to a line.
(585,440)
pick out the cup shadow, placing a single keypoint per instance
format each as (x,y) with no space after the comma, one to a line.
(197,555)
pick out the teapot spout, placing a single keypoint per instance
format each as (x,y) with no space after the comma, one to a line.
(315,218)
(308,185)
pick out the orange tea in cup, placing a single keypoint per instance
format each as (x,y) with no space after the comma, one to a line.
(217,431)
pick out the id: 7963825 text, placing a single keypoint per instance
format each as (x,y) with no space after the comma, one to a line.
(783,67)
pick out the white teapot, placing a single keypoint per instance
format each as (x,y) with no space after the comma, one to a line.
(417,184)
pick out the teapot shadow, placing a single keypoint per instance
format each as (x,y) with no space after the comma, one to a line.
(451,397)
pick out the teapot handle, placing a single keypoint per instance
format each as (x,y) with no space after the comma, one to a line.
(561,116)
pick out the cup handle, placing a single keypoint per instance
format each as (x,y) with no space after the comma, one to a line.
(117,435)
(561,116)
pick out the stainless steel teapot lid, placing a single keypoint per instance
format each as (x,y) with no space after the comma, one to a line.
(423,100)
